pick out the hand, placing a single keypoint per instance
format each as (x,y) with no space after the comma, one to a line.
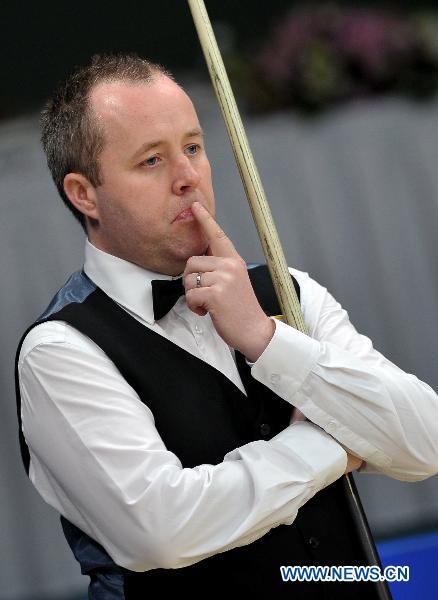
(296,415)
(353,463)
(226,292)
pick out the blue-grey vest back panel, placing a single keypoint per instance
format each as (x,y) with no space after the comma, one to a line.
(201,415)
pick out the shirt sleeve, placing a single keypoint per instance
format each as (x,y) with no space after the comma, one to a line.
(97,458)
(336,378)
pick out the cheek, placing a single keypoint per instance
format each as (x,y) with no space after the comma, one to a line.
(207,170)
(207,184)
(124,198)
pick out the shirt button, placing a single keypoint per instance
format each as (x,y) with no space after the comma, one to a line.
(198,329)
(331,427)
(265,429)
(313,542)
(275,378)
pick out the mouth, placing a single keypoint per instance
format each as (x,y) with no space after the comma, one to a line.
(185,215)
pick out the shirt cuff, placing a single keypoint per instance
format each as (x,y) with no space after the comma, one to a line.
(323,454)
(286,361)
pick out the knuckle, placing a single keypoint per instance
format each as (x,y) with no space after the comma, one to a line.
(220,234)
(230,264)
(236,264)
(227,277)
(217,291)
(191,296)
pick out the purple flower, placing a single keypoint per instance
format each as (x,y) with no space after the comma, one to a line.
(319,55)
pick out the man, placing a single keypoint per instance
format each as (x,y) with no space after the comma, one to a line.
(160,430)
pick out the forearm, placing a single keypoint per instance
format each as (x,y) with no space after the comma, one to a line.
(97,457)
(387,417)
(168,517)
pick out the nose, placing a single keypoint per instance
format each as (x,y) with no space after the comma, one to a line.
(185,176)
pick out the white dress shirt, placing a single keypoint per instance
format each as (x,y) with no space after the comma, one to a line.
(97,458)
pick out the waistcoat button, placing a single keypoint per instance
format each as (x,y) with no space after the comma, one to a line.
(265,429)
(313,542)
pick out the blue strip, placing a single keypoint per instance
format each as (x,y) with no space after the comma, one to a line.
(76,289)
(420,554)
(414,543)
(106,578)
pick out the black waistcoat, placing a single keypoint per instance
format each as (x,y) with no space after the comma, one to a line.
(201,415)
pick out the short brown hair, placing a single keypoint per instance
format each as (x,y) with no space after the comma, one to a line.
(72,138)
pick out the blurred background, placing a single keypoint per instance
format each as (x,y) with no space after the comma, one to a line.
(339,101)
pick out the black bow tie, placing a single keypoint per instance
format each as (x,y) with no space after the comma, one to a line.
(165,293)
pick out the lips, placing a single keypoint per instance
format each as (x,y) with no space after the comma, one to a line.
(185,215)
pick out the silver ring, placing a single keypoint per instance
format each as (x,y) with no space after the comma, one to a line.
(198,280)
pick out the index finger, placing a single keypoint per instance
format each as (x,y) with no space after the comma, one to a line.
(220,244)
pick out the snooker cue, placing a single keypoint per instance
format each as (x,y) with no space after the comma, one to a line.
(270,241)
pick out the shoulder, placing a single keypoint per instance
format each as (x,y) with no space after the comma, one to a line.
(310,289)
(307,281)
(55,335)
(302,277)
(316,302)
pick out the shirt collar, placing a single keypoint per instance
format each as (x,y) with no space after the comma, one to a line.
(125,282)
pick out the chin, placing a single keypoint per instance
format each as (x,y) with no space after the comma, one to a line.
(196,246)
(199,250)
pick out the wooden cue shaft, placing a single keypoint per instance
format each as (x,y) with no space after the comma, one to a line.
(261,212)
(267,231)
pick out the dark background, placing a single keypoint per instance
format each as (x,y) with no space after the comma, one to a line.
(42,41)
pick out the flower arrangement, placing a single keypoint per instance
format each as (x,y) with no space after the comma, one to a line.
(318,57)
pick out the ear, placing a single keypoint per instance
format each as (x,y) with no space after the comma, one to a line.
(81,194)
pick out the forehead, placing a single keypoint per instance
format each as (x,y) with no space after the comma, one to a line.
(158,105)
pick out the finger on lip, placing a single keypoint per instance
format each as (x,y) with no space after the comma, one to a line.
(203,216)
(198,206)
(219,243)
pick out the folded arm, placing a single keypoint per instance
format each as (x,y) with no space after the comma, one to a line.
(98,459)
(336,378)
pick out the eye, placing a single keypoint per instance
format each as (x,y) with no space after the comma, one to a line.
(151,162)
(193,149)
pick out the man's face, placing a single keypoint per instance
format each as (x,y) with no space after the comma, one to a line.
(153,166)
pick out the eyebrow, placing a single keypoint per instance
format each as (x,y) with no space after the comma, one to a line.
(197,131)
